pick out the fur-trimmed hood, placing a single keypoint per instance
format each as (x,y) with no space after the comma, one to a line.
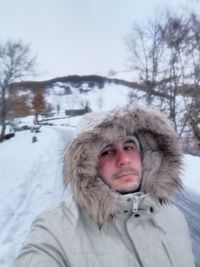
(161,158)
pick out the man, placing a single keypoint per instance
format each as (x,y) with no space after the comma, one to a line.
(123,168)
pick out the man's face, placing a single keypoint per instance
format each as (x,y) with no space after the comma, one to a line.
(120,166)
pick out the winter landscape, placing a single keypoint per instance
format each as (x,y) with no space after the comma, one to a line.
(74,57)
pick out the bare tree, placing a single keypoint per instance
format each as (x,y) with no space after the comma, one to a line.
(16,63)
(175,33)
(193,50)
(166,56)
(145,47)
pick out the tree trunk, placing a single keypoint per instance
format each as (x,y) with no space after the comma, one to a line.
(3,115)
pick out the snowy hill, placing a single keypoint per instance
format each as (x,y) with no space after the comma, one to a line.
(107,98)
(74,91)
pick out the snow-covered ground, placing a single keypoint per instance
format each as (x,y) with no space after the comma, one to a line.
(191,174)
(31,181)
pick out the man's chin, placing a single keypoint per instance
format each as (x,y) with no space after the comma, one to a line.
(124,191)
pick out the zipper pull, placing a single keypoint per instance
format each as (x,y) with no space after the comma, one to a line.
(135,203)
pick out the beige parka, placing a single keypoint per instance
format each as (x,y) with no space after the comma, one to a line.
(99,227)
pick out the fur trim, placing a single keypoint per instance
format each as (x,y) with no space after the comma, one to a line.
(161,161)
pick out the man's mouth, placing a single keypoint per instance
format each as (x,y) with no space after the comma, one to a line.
(122,174)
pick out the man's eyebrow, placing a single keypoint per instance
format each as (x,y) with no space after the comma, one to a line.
(129,141)
(107,146)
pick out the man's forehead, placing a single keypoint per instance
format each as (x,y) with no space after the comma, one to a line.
(121,141)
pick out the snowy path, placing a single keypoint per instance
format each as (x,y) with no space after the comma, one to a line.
(31,181)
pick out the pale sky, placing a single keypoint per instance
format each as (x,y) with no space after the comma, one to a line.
(78,36)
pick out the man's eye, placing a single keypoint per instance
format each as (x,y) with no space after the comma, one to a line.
(107,153)
(130,147)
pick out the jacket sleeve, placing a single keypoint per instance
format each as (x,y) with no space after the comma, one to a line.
(185,245)
(42,248)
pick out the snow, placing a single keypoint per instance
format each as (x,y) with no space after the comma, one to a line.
(31,181)
(31,173)
(107,98)
(191,174)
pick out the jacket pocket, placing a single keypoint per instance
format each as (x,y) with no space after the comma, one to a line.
(170,254)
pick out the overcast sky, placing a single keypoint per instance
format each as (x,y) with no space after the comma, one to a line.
(78,36)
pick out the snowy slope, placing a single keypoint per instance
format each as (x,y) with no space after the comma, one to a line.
(191,174)
(107,98)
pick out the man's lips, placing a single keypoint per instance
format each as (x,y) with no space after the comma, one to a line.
(124,173)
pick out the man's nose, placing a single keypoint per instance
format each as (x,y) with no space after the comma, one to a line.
(122,158)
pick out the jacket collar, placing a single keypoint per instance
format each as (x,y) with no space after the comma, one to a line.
(137,204)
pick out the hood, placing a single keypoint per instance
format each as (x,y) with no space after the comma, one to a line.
(161,158)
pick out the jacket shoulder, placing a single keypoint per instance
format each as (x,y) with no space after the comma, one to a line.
(48,237)
(172,219)
(65,211)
